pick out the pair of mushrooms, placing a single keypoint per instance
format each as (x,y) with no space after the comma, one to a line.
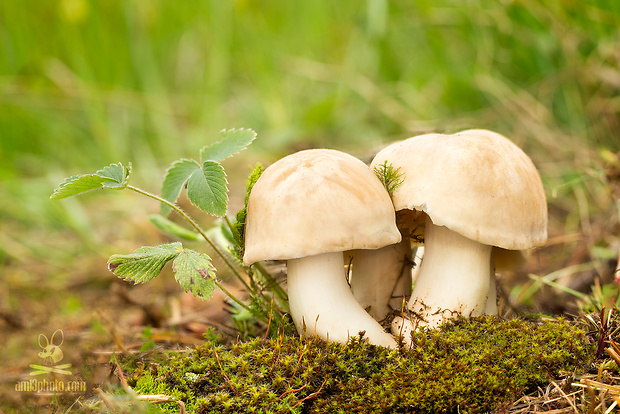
(482,202)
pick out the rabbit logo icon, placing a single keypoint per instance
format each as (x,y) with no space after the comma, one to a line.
(51,355)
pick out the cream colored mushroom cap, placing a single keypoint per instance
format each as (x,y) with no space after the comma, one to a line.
(476,183)
(317,201)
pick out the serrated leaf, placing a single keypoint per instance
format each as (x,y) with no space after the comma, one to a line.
(76,185)
(113,176)
(172,228)
(207,188)
(144,263)
(116,176)
(176,177)
(235,140)
(195,273)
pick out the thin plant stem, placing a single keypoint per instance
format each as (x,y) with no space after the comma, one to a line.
(269,281)
(230,295)
(204,236)
(275,286)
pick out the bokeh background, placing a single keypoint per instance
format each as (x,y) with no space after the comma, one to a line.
(86,83)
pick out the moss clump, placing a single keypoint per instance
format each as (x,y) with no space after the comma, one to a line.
(390,177)
(238,227)
(472,365)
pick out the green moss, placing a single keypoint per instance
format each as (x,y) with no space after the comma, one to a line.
(472,365)
(238,227)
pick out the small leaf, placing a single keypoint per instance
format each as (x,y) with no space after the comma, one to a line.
(116,175)
(113,176)
(172,228)
(176,177)
(235,140)
(76,185)
(207,188)
(195,273)
(145,263)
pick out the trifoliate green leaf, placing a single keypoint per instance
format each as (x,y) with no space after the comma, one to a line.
(176,177)
(195,273)
(114,176)
(145,263)
(172,228)
(235,140)
(207,188)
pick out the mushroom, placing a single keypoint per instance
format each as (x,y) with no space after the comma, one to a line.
(381,278)
(477,190)
(308,208)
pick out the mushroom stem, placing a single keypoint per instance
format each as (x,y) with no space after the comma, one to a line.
(491,306)
(453,280)
(381,278)
(322,303)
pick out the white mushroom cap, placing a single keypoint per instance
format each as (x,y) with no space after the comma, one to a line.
(476,183)
(317,201)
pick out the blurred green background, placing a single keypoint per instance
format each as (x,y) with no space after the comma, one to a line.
(85,83)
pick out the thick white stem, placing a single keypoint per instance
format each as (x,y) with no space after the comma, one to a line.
(322,303)
(491,306)
(454,279)
(381,278)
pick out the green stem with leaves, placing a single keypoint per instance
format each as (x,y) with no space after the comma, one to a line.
(207,188)
(197,227)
